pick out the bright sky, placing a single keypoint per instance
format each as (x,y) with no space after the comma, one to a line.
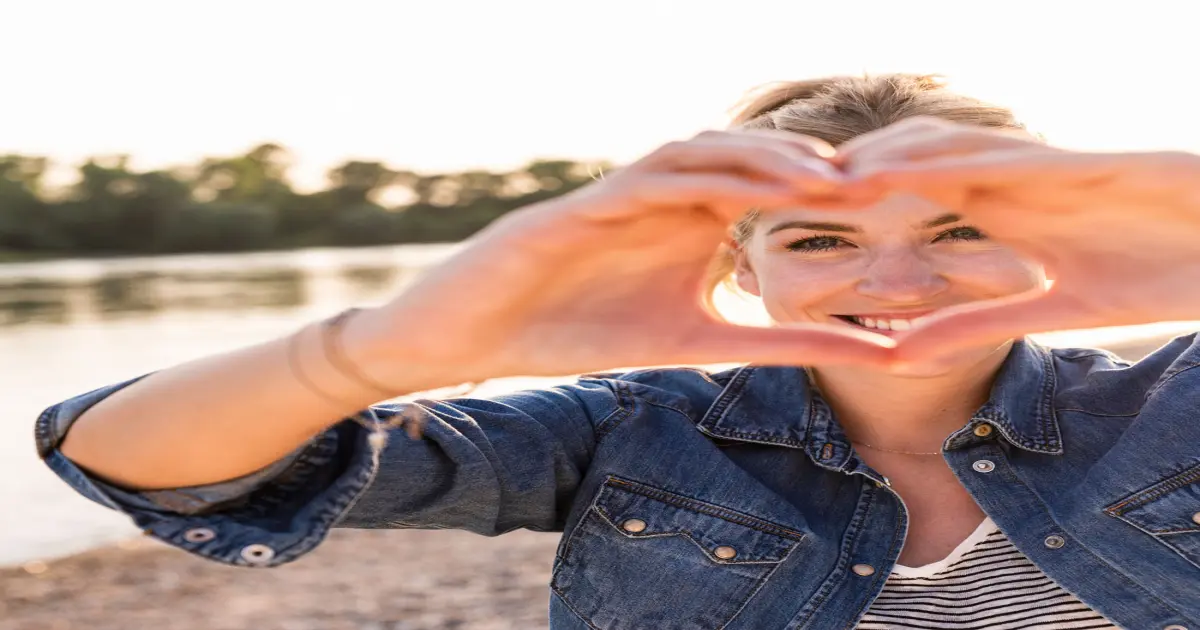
(448,84)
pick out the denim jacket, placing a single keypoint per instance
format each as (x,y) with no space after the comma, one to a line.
(690,499)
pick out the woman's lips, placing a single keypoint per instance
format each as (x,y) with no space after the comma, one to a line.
(884,323)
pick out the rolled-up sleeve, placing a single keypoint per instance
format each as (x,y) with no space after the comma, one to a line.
(488,465)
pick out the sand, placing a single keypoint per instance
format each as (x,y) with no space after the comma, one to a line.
(357,579)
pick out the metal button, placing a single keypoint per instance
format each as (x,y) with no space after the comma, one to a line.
(984,465)
(257,554)
(725,553)
(199,535)
(633,525)
(1054,542)
(983,430)
(864,569)
(1196,517)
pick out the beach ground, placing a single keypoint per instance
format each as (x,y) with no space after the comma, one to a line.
(357,579)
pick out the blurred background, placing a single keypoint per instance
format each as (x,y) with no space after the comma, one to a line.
(182,178)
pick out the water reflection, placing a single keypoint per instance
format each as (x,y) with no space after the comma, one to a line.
(124,294)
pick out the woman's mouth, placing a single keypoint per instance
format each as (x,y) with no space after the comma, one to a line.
(884,322)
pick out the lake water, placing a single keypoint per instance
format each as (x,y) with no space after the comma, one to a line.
(70,326)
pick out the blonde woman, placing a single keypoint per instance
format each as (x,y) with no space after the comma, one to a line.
(894,453)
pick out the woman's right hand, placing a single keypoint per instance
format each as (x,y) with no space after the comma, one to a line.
(611,275)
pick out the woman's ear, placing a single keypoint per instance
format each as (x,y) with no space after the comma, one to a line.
(747,280)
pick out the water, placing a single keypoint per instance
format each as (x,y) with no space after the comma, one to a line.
(70,326)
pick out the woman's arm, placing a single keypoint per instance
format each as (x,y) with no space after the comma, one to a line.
(225,416)
(609,275)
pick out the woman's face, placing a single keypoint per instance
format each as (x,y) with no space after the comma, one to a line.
(877,268)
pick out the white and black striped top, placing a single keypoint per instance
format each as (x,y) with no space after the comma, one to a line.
(984,584)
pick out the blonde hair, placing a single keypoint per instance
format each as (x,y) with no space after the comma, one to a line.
(837,109)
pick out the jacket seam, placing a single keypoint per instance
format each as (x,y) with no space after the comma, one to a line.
(1046,509)
(1163,383)
(703,507)
(1102,415)
(618,415)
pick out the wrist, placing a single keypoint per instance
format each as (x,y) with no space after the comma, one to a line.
(379,359)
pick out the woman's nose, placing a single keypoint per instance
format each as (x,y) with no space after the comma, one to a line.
(902,279)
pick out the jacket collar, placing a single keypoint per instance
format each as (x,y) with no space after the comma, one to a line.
(778,405)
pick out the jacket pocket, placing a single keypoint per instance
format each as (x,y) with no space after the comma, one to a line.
(643,557)
(1169,511)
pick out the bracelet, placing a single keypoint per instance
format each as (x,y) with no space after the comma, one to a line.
(293,351)
(334,353)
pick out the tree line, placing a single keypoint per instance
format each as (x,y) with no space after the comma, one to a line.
(246,203)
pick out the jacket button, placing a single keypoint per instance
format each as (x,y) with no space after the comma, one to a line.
(633,525)
(199,535)
(984,465)
(863,569)
(725,553)
(1196,517)
(983,430)
(257,554)
(1175,626)
(1054,542)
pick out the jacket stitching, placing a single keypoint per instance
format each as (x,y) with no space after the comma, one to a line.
(702,507)
(1163,382)
(620,414)
(687,533)
(1137,586)
(562,596)
(1156,491)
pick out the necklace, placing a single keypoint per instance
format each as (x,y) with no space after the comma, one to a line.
(812,381)
(891,451)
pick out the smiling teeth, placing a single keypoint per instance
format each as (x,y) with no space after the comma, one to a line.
(883,324)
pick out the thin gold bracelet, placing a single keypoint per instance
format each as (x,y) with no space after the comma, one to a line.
(293,352)
(331,329)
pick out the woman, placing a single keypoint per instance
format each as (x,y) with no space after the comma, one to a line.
(930,466)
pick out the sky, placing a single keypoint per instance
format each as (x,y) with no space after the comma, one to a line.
(454,84)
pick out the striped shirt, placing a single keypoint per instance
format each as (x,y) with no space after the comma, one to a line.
(984,584)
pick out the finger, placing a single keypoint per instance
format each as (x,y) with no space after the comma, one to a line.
(915,126)
(793,345)
(753,157)
(1029,165)
(919,145)
(993,321)
(729,196)
(815,147)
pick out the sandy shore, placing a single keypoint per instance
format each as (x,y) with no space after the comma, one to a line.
(360,580)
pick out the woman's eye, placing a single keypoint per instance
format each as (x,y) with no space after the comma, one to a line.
(816,244)
(961,233)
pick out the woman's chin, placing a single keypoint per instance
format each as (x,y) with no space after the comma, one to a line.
(948,364)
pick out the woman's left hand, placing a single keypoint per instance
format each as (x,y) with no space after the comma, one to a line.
(1119,233)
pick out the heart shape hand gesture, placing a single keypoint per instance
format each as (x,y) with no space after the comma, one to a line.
(1119,233)
(612,274)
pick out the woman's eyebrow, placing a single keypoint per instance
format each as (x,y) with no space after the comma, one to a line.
(943,220)
(820,226)
(814,226)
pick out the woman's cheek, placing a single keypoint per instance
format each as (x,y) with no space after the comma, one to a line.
(991,273)
(791,293)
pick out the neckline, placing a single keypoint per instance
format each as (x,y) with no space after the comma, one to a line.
(981,532)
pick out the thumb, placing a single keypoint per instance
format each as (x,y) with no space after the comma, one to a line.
(799,344)
(991,321)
